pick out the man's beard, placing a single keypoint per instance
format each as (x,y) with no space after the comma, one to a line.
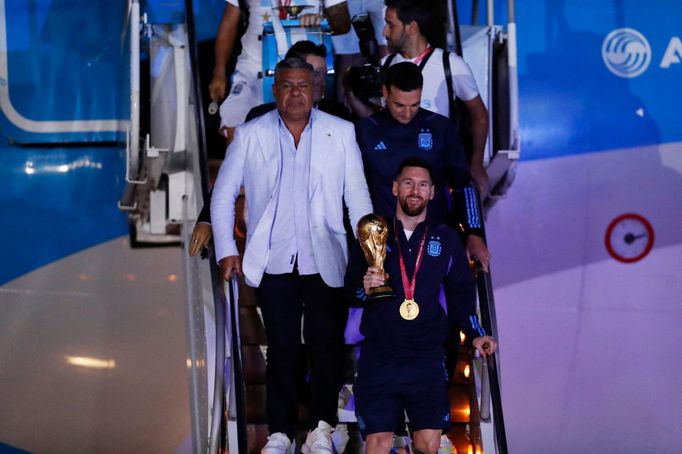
(397,46)
(412,211)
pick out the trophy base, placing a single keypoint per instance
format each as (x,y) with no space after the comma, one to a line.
(380,293)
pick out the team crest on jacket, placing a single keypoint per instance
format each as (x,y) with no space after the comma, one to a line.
(425,139)
(434,248)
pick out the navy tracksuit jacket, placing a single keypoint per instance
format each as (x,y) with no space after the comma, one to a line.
(444,268)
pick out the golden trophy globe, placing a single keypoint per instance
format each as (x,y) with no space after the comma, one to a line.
(372,234)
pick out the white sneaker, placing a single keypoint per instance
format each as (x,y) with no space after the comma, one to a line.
(278,443)
(319,441)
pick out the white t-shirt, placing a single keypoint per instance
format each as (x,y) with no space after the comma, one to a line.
(250,60)
(435,91)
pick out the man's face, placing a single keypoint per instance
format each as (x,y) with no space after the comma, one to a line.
(414,189)
(403,105)
(293,92)
(319,65)
(394,31)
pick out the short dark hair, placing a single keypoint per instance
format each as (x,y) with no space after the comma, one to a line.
(292,63)
(302,49)
(414,161)
(426,13)
(405,76)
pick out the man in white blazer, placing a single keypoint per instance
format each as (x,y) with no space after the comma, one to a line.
(297,165)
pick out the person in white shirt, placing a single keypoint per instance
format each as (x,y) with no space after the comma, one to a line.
(407,25)
(347,46)
(247,89)
(297,166)
(406,22)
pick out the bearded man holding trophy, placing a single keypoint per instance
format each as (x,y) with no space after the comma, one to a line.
(396,271)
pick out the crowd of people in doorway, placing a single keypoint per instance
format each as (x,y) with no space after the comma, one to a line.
(308,160)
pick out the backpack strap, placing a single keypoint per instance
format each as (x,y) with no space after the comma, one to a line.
(388,61)
(448,83)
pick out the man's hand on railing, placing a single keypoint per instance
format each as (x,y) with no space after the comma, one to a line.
(480,177)
(201,235)
(476,249)
(485,345)
(231,266)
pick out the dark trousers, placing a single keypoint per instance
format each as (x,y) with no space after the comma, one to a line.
(283,299)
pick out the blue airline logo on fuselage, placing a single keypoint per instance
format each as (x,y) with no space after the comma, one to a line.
(626,52)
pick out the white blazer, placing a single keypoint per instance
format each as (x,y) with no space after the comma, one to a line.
(253,160)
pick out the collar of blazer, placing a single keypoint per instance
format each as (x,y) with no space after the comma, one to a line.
(321,144)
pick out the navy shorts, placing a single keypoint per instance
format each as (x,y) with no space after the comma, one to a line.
(384,388)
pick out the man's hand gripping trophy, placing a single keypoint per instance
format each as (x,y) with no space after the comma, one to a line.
(372,234)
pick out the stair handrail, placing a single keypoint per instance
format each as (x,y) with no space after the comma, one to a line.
(221,302)
(133,132)
(486,301)
(487,310)
(217,409)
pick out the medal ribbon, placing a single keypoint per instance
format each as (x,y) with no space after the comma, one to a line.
(409,284)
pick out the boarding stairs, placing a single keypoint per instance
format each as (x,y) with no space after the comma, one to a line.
(167,175)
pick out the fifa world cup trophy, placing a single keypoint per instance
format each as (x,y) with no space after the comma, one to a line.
(372,234)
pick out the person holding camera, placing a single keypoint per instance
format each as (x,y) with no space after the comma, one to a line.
(364,41)
(408,25)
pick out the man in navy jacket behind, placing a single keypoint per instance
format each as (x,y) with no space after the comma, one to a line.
(401,363)
(404,129)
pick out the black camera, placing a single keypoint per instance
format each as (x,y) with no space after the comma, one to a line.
(365,81)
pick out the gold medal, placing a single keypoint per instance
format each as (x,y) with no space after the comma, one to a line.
(409,310)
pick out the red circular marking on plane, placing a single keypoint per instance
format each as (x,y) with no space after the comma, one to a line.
(626,249)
